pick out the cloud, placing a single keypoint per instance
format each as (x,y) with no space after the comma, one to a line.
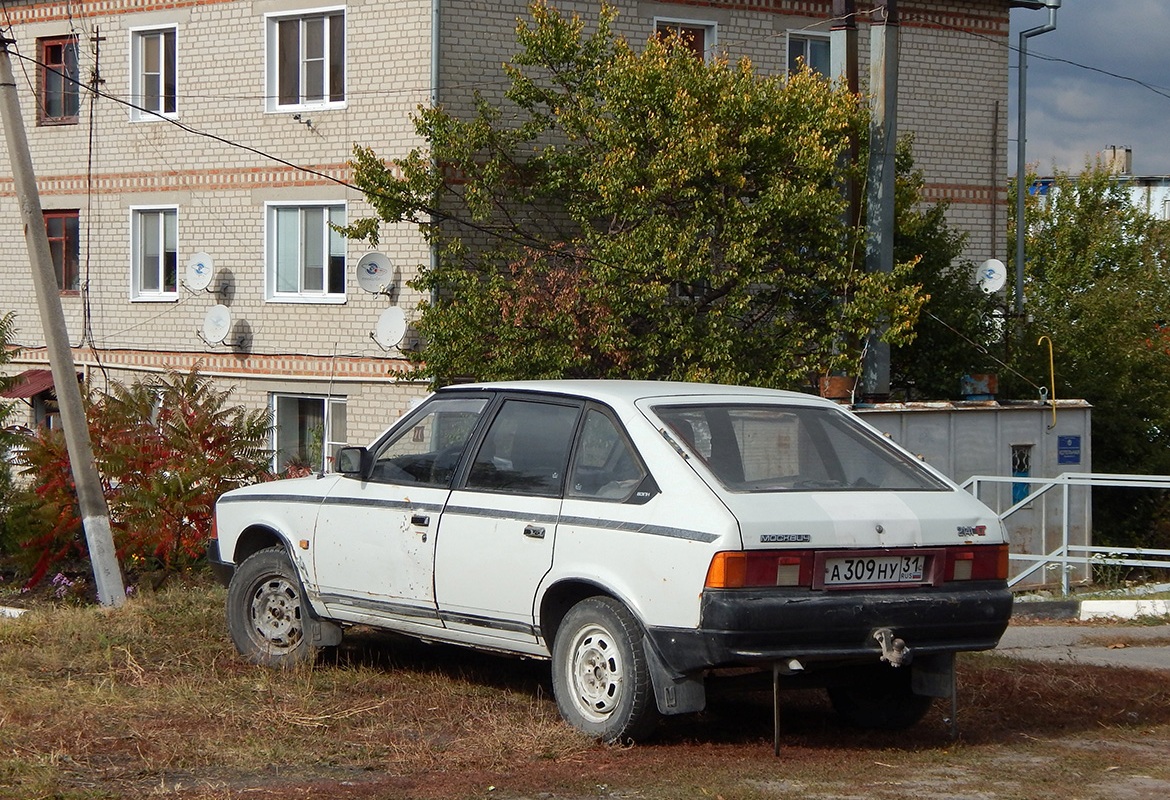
(1075,109)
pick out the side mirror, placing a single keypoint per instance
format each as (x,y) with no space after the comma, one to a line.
(351,461)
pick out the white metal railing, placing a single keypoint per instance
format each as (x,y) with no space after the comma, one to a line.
(1069,556)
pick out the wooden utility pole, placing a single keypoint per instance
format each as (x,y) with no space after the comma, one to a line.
(95,514)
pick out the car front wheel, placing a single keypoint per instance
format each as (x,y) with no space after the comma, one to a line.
(601,680)
(267,616)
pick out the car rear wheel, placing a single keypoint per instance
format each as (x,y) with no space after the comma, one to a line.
(879,697)
(267,615)
(601,680)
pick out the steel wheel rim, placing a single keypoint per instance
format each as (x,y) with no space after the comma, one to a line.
(597,673)
(276,613)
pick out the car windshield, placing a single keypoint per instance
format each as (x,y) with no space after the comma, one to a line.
(774,448)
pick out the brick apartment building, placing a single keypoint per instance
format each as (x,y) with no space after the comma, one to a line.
(223,133)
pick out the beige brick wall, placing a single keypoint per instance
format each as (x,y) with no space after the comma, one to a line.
(952,97)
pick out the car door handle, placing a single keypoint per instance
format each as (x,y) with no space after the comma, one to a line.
(420,519)
(534,531)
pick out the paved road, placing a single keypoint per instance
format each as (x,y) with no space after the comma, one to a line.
(1139,647)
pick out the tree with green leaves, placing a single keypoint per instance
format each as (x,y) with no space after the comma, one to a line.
(960,328)
(1097,282)
(640,213)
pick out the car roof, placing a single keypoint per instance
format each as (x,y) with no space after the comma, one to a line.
(631,391)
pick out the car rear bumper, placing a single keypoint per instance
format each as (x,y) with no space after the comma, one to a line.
(745,627)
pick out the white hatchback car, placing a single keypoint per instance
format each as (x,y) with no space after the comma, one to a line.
(640,535)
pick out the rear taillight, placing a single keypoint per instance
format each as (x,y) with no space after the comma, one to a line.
(736,570)
(988,562)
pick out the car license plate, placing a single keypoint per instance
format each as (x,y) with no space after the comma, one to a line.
(865,570)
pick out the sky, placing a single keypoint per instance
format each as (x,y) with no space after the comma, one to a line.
(1074,110)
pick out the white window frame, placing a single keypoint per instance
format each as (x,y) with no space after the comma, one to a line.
(156,215)
(275,211)
(272,70)
(803,38)
(333,429)
(139,111)
(710,31)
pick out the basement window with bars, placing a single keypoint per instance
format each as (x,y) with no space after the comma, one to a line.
(1021,468)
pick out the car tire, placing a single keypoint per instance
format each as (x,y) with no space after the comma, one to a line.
(601,680)
(267,615)
(879,698)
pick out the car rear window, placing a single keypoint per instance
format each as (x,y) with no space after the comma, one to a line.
(775,448)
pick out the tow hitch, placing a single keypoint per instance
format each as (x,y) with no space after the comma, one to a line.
(894,650)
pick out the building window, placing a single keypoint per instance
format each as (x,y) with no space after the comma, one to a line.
(154,252)
(59,80)
(812,50)
(306,60)
(154,73)
(698,37)
(63,228)
(1021,468)
(306,255)
(308,432)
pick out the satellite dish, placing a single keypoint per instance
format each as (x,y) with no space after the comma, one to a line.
(991,276)
(374,274)
(390,329)
(199,271)
(216,324)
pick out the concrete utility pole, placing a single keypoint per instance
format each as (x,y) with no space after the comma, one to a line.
(843,51)
(95,514)
(879,215)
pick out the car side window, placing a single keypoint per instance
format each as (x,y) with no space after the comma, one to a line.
(605,467)
(427,451)
(526,449)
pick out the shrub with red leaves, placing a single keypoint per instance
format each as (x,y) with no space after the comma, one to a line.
(166,449)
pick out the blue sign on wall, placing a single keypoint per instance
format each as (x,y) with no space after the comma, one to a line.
(1068,449)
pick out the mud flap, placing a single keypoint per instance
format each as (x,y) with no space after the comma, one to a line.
(324,633)
(673,693)
(934,676)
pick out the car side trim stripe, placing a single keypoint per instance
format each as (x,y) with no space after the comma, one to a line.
(706,537)
(589,522)
(388,609)
(488,622)
(334,501)
(380,607)
(495,513)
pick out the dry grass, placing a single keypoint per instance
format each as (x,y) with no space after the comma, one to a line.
(151,701)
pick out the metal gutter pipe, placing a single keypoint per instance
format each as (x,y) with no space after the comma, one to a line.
(1021,143)
(436,18)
